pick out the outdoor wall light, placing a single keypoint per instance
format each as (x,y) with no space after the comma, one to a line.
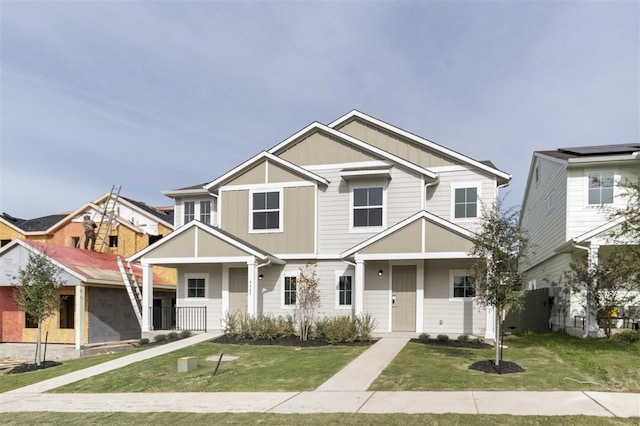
(380,273)
(260,276)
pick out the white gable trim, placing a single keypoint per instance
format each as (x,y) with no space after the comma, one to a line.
(419,140)
(264,155)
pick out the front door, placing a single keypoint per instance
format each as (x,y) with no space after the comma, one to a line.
(238,290)
(403,298)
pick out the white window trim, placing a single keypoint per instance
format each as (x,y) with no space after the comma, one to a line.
(184,210)
(279,190)
(586,186)
(199,209)
(284,275)
(461,185)
(367,229)
(188,276)
(337,289)
(196,209)
(457,273)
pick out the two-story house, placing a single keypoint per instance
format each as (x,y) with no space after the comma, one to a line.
(94,303)
(564,212)
(386,216)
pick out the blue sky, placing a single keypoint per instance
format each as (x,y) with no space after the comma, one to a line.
(158,95)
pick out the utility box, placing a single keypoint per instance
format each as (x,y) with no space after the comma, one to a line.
(187,363)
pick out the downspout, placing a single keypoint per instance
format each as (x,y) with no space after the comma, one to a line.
(426,189)
(588,316)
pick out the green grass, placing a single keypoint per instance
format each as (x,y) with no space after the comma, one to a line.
(257,369)
(304,419)
(13,381)
(552,362)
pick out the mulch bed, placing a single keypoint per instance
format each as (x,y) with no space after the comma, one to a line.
(453,343)
(26,367)
(287,341)
(488,366)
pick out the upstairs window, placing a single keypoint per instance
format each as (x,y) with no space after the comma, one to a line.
(600,187)
(205,212)
(266,211)
(189,211)
(367,207)
(465,204)
(113,241)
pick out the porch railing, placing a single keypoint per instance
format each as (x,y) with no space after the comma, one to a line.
(193,318)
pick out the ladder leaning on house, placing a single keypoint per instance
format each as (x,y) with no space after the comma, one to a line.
(132,286)
(108,213)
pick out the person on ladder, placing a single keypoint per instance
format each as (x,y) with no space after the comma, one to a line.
(89,232)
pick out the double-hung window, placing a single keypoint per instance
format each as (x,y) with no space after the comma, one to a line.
(289,291)
(344,290)
(465,203)
(189,211)
(600,187)
(205,212)
(367,207)
(266,214)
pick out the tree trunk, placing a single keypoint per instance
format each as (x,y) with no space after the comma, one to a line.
(38,359)
(498,338)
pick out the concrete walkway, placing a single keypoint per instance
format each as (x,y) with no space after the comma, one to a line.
(343,393)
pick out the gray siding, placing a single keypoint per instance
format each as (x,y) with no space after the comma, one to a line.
(214,292)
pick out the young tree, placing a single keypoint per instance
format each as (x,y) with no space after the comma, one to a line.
(37,292)
(607,284)
(500,246)
(307,298)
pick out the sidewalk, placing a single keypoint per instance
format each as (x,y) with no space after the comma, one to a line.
(345,392)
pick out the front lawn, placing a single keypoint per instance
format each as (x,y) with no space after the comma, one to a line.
(552,362)
(256,369)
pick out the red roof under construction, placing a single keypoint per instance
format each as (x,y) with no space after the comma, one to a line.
(91,265)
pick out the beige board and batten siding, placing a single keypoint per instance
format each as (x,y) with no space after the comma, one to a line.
(402,192)
(320,148)
(444,314)
(545,209)
(298,217)
(181,246)
(396,144)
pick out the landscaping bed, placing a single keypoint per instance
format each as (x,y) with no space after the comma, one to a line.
(287,341)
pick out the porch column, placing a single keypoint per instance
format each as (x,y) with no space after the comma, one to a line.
(490,327)
(147,296)
(592,327)
(358,302)
(252,291)
(78,316)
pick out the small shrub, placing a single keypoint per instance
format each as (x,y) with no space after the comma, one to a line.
(320,327)
(143,341)
(478,340)
(628,336)
(230,324)
(185,333)
(424,337)
(172,335)
(340,329)
(443,338)
(160,337)
(463,338)
(365,325)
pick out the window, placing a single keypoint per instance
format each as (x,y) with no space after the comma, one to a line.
(205,211)
(367,207)
(189,211)
(154,238)
(265,214)
(289,291)
(75,241)
(196,287)
(67,311)
(344,290)
(600,187)
(465,203)
(113,241)
(4,242)
(29,321)
(463,286)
